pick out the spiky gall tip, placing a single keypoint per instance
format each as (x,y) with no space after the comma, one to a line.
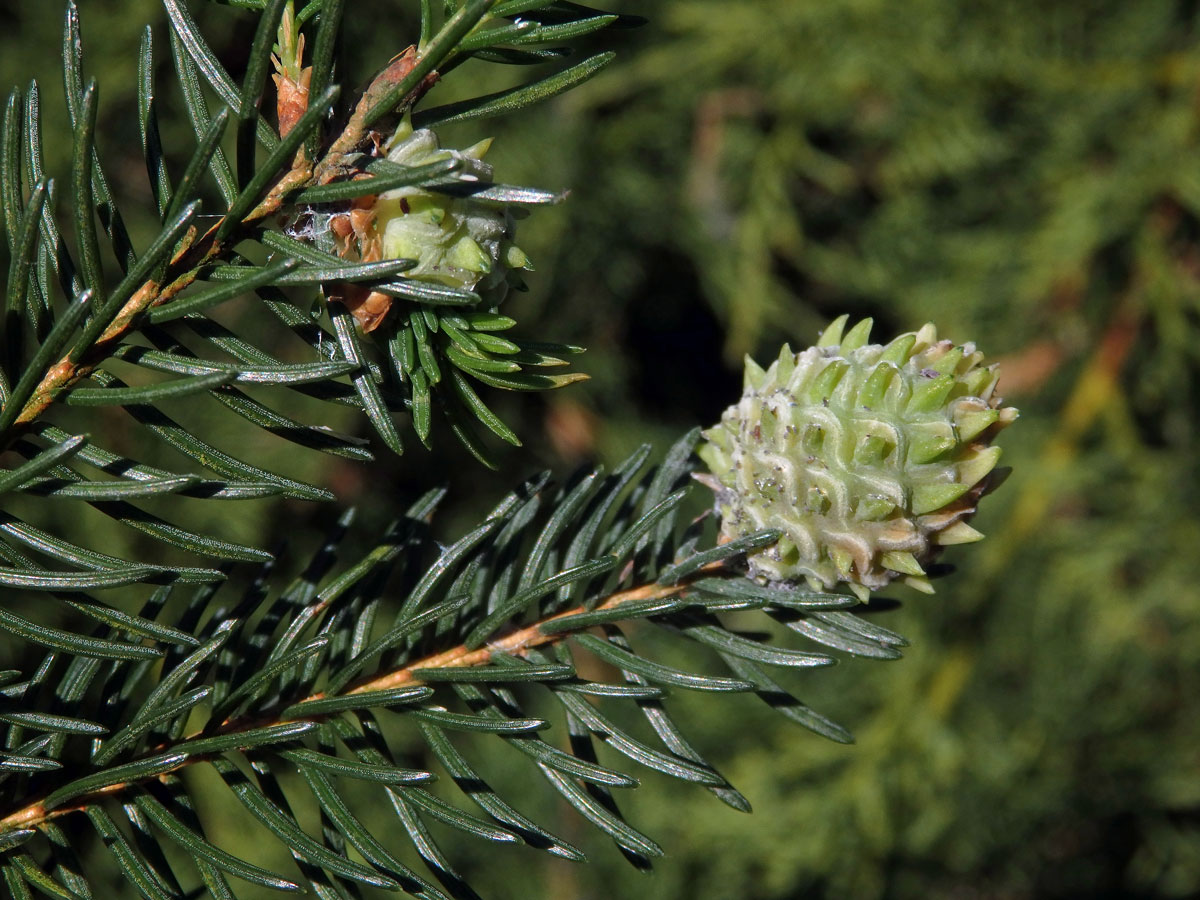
(869,458)
(457,239)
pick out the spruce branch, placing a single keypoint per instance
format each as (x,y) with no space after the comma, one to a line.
(313,168)
(375,690)
(281,179)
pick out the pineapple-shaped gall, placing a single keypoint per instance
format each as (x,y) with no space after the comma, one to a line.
(459,234)
(867,458)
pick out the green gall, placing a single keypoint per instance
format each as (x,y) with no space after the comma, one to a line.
(457,240)
(869,458)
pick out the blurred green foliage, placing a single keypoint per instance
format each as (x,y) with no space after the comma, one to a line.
(1027,175)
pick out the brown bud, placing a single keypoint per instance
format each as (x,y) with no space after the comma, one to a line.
(369,308)
(292,100)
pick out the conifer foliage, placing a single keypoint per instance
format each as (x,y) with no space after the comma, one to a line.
(387,255)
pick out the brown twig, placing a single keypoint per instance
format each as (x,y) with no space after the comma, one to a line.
(67,372)
(357,132)
(515,642)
